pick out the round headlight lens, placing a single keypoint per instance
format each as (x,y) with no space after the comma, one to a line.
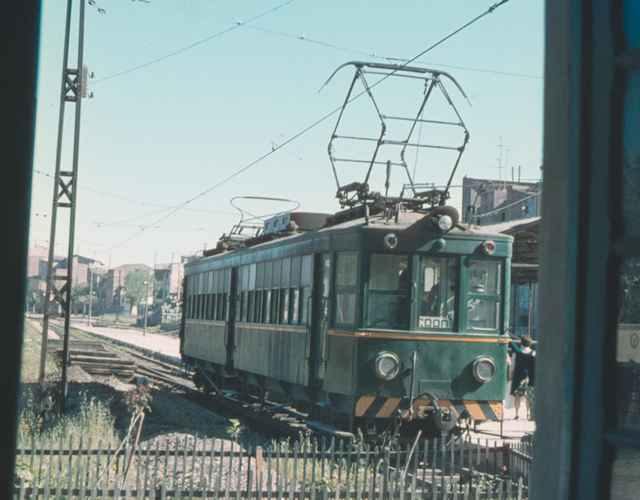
(484,369)
(387,365)
(391,241)
(445,223)
(489,247)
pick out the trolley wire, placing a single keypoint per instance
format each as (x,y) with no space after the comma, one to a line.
(310,127)
(194,44)
(138,202)
(376,55)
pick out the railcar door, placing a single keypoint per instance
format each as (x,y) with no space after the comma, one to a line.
(321,304)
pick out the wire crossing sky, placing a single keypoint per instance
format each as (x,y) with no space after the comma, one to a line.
(317,122)
(189,97)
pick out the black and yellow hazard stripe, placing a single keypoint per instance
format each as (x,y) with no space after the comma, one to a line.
(370,406)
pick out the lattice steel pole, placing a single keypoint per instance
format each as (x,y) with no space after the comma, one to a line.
(73,88)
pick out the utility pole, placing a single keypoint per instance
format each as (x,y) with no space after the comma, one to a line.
(500,152)
(146,305)
(90,295)
(73,89)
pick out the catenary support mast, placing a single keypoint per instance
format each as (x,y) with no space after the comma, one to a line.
(73,89)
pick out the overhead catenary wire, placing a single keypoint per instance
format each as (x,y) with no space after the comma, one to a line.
(194,44)
(310,127)
(139,202)
(376,55)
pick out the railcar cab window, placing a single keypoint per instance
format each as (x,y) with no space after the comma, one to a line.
(484,293)
(388,291)
(437,301)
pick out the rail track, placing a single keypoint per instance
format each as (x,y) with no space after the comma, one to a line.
(268,417)
(265,416)
(278,420)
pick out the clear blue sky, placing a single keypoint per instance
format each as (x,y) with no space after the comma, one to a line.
(166,132)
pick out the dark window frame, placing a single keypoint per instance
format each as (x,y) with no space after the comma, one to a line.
(369,292)
(465,293)
(458,297)
(349,289)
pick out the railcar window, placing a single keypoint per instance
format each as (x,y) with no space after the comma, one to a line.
(483,294)
(215,307)
(257,307)
(388,297)
(306,277)
(275,305)
(205,306)
(437,306)
(194,311)
(212,307)
(267,307)
(295,305)
(249,307)
(346,287)
(284,306)
(305,303)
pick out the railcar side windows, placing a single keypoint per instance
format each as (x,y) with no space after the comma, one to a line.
(437,303)
(484,291)
(389,285)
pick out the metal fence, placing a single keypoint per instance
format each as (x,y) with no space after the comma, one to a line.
(190,467)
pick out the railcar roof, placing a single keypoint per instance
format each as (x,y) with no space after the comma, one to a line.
(405,220)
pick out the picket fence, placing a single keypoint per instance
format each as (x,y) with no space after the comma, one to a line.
(190,467)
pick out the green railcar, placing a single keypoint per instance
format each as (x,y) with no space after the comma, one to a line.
(369,323)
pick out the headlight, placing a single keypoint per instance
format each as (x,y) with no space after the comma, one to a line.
(445,223)
(484,369)
(391,241)
(489,247)
(387,365)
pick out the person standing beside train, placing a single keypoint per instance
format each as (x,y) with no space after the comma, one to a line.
(523,375)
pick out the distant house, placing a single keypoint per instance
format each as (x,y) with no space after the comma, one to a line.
(112,287)
(487,201)
(168,280)
(37,261)
(81,272)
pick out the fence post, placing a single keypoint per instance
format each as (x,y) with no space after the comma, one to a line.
(520,489)
(259,467)
(506,458)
